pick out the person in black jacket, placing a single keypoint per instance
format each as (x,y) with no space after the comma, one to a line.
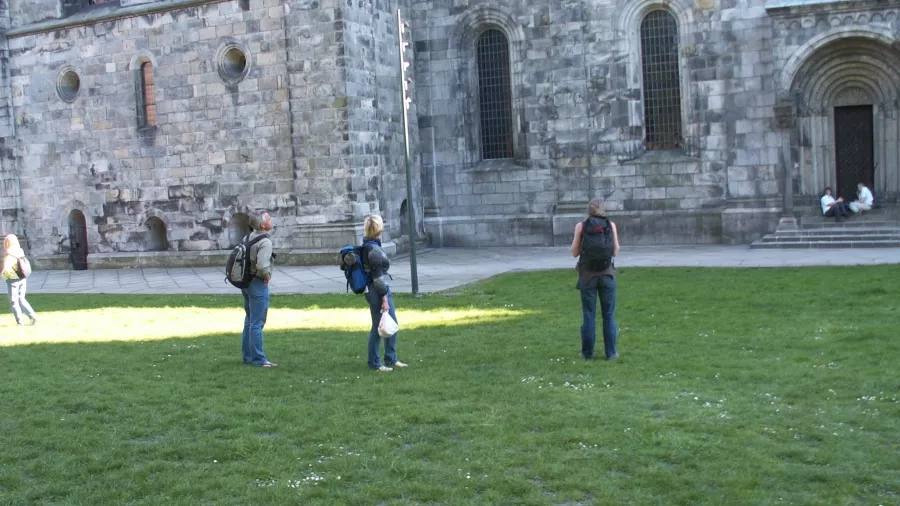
(378,294)
(594,281)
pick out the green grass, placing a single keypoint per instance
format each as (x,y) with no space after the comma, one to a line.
(756,386)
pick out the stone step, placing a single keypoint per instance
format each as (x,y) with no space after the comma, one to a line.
(840,238)
(841,230)
(843,243)
(849,223)
(833,236)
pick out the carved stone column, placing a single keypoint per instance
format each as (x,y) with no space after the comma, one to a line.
(784,121)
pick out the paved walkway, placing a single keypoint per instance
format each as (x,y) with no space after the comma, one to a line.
(440,269)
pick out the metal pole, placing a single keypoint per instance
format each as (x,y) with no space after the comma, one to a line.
(410,206)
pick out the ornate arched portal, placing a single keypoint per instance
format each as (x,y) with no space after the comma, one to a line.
(846,95)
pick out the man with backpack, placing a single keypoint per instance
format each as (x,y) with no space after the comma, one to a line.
(595,244)
(258,247)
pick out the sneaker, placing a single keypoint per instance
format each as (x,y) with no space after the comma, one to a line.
(384,368)
(399,365)
(613,357)
(34,321)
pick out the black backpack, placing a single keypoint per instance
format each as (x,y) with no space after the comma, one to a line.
(237,267)
(597,244)
(22,267)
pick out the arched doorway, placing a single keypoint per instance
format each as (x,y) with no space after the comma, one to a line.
(78,244)
(157,239)
(848,128)
(238,227)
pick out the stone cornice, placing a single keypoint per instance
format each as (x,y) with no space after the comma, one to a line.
(790,8)
(94,16)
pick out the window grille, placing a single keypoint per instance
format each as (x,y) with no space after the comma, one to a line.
(70,7)
(494,95)
(146,96)
(662,81)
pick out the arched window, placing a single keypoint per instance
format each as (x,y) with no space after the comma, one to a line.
(662,81)
(495,96)
(70,7)
(146,96)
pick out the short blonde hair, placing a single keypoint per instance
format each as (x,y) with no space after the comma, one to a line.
(11,242)
(596,208)
(373,226)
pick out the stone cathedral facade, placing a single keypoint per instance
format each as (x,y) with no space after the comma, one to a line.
(143,132)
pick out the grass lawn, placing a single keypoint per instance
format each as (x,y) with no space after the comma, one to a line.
(753,386)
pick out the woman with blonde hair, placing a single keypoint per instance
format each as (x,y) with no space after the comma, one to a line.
(378,295)
(595,244)
(14,285)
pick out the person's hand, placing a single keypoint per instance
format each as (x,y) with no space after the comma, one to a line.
(266,280)
(385,307)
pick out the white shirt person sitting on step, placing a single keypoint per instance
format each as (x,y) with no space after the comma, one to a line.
(864,200)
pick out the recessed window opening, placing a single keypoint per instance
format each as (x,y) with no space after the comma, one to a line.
(494,94)
(662,81)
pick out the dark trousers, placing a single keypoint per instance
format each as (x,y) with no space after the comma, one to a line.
(605,288)
(838,211)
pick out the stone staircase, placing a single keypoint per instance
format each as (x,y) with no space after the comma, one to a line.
(879,228)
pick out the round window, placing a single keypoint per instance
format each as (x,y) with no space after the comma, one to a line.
(233,66)
(67,85)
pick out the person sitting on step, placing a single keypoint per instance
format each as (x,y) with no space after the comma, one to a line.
(864,199)
(832,208)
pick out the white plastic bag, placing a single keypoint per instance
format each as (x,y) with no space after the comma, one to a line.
(387,326)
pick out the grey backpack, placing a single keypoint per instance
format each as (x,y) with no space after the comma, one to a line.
(237,267)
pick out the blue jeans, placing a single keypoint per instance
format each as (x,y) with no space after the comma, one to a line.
(390,344)
(605,287)
(256,308)
(16,290)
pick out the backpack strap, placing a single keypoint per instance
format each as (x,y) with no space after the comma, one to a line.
(249,244)
(364,256)
(255,240)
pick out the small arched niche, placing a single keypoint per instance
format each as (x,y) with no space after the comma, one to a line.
(78,245)
(156,235)
(238,227)
(404,219)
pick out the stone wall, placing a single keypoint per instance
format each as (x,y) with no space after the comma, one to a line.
(9,177)
(578,119)
(312,129)
(218,147)
(345,106)
(378,181)
(276,136)
(319,122)
(24,12)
